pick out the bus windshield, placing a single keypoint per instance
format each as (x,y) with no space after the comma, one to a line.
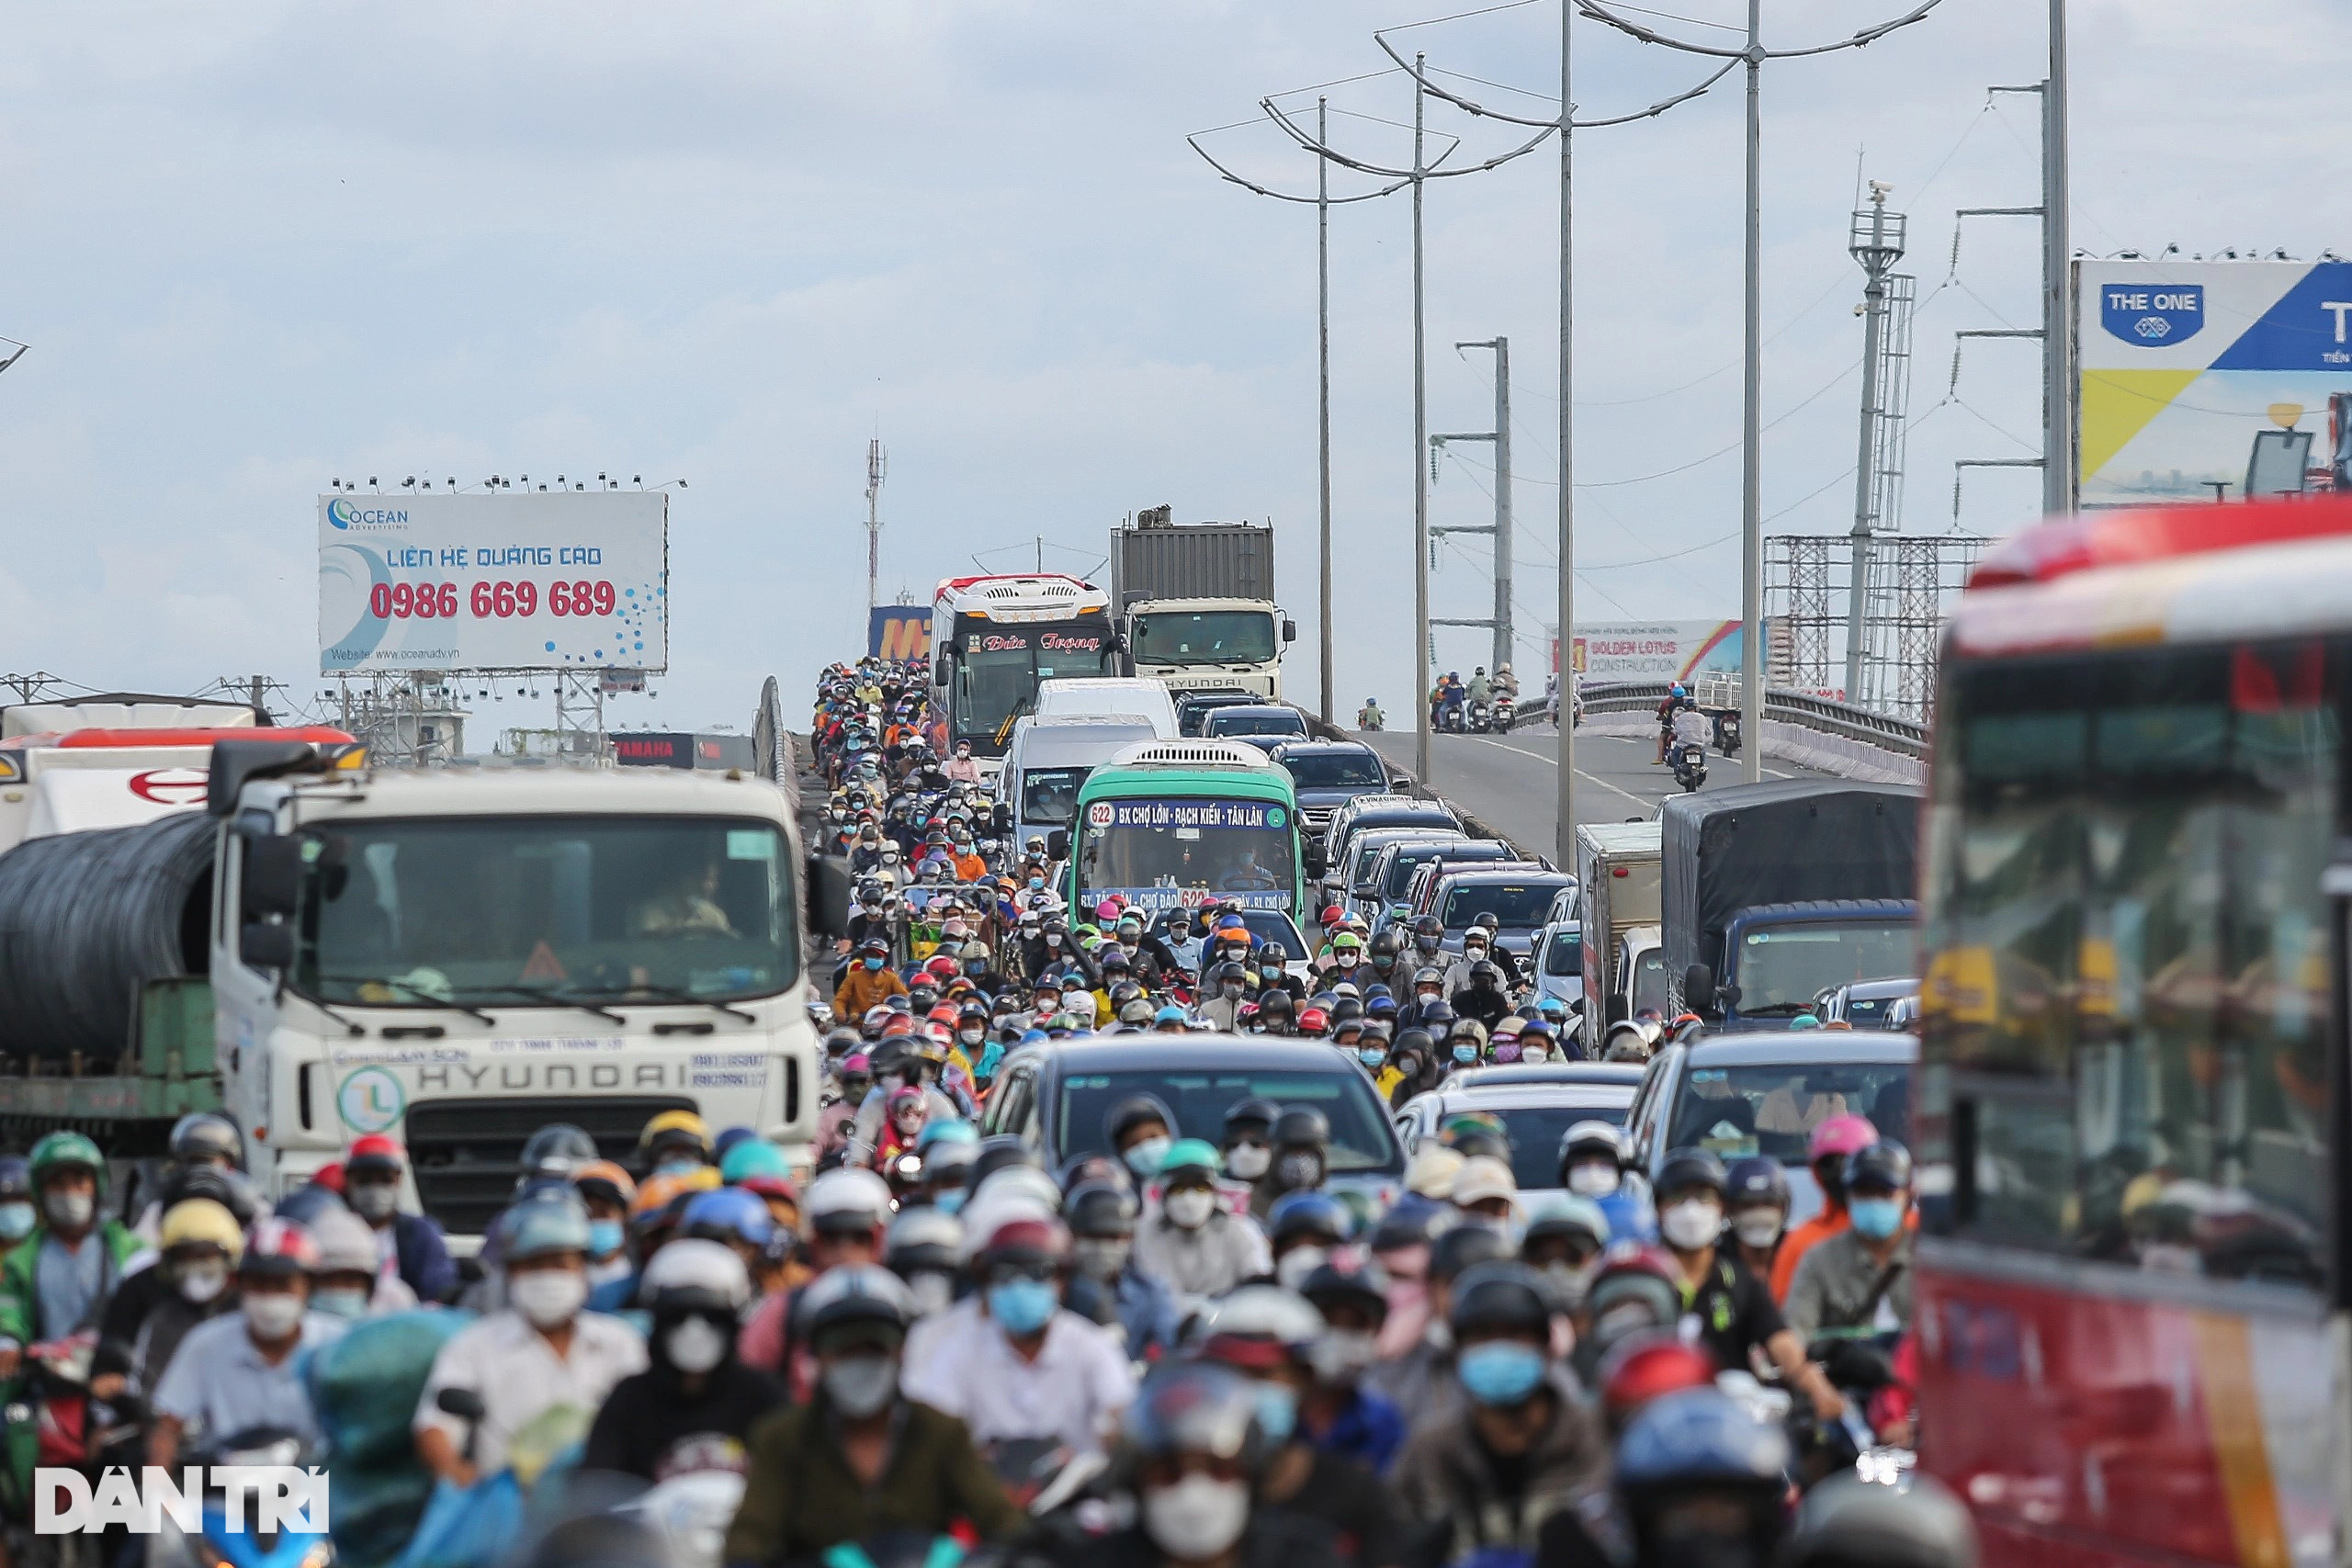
(2127,988)
(1155,851)
(1000,666)
(1203,637)
(1783,968)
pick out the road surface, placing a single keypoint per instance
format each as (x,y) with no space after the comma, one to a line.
(1512,781)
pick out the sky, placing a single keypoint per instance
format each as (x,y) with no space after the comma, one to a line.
(262,244)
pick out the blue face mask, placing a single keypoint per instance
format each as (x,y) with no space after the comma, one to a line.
(872,964)
(603,1237)
(1021,1307)
(1500,1372)
(1466,1053)
(1277,1411)
(677,1168)
(1144,1158)
(1371,1055)
(1037,883)
(16,1221)
(1876,1218)
(950,1202)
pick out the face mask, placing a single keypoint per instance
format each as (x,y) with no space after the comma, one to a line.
(1277,1411)
(1197,1518)
(1691,1224)
(1570,1280)
(1144,1158)
(1022,1307)
(1231,990)
(201,1283)
(1249,1161)
(1342,1355)
(1593,1180)
(1757,1227)
(603,1237)
(1500,1372)
(1534,1054)
(1037,883)
(1466,1053)
(548,1297)
(1371,1055)
(1293,1267)
(1101,1257)
(971,1036)
(273,1318)
(15,1221)
(696,1345)
(861,1386)
(340,1302)
(933,1292)
(1189,1209)
(681,1166)
(1876,1218)
(1296,1171)
(69,1211)
(1505,1051)
(374,1200)
(872,964)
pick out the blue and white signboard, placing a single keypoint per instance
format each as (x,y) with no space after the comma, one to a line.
(1183,853)
(537,582)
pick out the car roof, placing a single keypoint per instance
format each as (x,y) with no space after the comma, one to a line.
(1804,1047)
(1627,1074)
(1450,1101)
(1282,708)
(1508,870)
(1871,990)
(1322,748)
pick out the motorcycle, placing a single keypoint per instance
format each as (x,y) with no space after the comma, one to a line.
(1505,711)
(904,1173)
(1688,760)
(1480,717)
(73,1428)
(1450,717)
(1368,719)
(219,1543)
(691,1512)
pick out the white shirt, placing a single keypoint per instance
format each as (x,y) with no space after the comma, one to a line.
(219,1384)
(520,1377)
(961,1362)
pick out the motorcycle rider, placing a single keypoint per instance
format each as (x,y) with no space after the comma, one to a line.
(1480,689)
(230,1374)
(1301,1140)
(695,1406)
(1757,1195)
(867,980)
(1102,1217)
(58,1279)
(1833,1139)
(1699,1478)
(371,1187)
(1860,1277)
(1482,996)
(1672,710)
(963,767)
(1369,716)
(860,1459)
(1339,1413)
(1450,698)
(1192,1243)
(154,1308)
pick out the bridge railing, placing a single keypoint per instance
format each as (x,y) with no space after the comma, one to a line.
(1901,737)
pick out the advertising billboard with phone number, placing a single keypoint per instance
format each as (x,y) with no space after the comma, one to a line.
(537,581)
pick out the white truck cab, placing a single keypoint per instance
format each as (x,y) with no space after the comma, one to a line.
(1209,645)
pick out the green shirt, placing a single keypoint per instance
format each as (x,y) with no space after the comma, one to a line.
(800,1496)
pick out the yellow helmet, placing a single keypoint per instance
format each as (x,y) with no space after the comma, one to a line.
(675,1128)
(198,1222)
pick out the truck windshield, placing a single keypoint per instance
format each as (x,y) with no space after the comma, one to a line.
(1336,770)
(1001,666)
(1783,968)
(1203,637)
(1049,795)
(536,910)
(1238,847)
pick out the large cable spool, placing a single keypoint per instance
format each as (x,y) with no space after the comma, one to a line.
(87,919)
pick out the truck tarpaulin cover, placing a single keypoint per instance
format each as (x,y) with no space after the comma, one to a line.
(1788,841)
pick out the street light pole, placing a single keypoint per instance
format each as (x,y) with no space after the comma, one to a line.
(1421,764)
(1563,833)
(2057,286)
(1751,473)
(1323,360)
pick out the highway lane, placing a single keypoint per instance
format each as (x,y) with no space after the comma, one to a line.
(1512,781)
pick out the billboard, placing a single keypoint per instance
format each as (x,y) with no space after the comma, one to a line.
(898,632)
(643,749)
(1655,650)
(2201,380)
(536,581)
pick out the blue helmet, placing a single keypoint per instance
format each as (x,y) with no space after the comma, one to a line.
(1701,1437)
(544,1222)
(728,1213)
(948,1130)
(1676,690)
(1316,1215)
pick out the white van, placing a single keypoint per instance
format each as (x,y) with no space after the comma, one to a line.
(1066,695)
(1049,757)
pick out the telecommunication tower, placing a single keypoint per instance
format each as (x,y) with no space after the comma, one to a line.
(1876,241)
(877,464)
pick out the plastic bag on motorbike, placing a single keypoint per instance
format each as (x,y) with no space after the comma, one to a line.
(469,1527)
(377,1510)
(364,1386)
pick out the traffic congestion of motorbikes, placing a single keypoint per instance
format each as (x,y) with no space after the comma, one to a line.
(1194,1335)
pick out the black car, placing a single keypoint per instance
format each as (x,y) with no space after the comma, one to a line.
(1327,775)
(1055,1095)
(1193,708)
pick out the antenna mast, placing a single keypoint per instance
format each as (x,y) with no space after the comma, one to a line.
(877,464)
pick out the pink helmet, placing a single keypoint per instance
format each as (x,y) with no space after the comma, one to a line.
(1840,1135)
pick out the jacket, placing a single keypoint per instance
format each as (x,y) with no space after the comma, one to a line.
(800,1497)
(1205,1262)
(861,988)
(20,1302)
(423,1258)
(1446,1476)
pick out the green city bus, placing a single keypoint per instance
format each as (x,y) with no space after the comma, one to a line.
(1169,824)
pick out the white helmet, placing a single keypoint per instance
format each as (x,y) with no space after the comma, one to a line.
(691,1267)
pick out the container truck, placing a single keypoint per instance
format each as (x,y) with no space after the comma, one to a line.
(454,956)
(1617,904)
(1195,603)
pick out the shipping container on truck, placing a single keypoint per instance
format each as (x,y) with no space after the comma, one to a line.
(1195,603)
(1617,883)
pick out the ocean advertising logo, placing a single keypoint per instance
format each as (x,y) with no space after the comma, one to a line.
(2153,317)
(285,1497)
(349,515)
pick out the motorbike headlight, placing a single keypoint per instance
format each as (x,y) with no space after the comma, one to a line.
(320,1555)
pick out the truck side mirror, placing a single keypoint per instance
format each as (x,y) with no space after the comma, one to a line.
(1058,845)
(1290,629)
(273,876)
(267,944)
(1698,988)
(827,895)
(1316,865)
(1003,818)
(942,670)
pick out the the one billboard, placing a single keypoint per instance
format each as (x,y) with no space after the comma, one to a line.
(898,632)
(536,581)
(1655,650)
(2205,380)
(653,749)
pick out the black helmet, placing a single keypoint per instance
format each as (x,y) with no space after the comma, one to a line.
(1243,1114)
(1847,1522)
(1885,1164)
(1133,1111)
(1438,1017)
(862,1300)
(1688,1170)
(1197,1407)
(204,1135)
(1467,1244)
(1099,1209)
(1429,928)
(1485,972)
(1301,1127)
(892,1053)
(1500,1295)
(1759,1178)
(230,1189)
(1387,945)
(1229,970)
(557,1149)
(1275,999)
(996,1153)
(1427,975)
(1362,1285)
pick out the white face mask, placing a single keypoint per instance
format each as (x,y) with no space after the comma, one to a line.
(1249,1161)
(933,1292)
(374,1200)
(1342,1355)
(695,1344)
(1191,1208)
(1534,1054)
(548,1297)
(1692,1224)
(1757,1228)
(201,1282)
(70,1211)
(1197,1518)
(273,1318)
(1591,1181)
(1294,1265)
(861,1386)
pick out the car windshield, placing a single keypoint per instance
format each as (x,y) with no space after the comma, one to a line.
(1399,880)
(1739,1111)
(1783,968)
(1239,847)
(1203,637)
(1254,721)
(525,910)
(1870,1012)
(1360,1138)
(1336,770)
(1565,955)
(1513,903)
(1272,929)
(1051,794)
(1536,1132)
(1649,979)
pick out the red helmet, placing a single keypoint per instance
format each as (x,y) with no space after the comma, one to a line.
(1647,1366)
(1333,915)
(1840,1135)
(946,1012)
(1314,1020)
(377,1151)
(278,1246)
(941,967)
